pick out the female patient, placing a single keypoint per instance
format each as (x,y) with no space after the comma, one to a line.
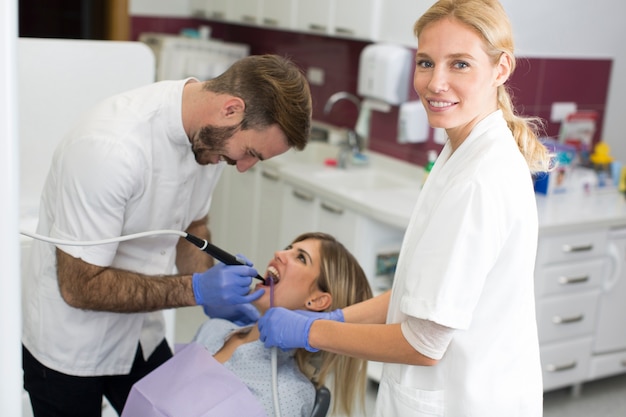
(314,273)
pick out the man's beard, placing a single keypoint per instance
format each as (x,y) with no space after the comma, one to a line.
(211,140)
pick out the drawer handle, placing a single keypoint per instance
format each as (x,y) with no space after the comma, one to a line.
(246,18)
(270,22)
(317,28)
(624,363)
(561,368)
(218,15)
(270,175)
(344,31)
(567,320)
(573,280)
(582,248)
(332,209)
(302,195)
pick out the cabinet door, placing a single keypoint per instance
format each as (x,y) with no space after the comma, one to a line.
(278,13)
(270,216)
(314,16)
(396,23)
(219,218)
(247,11)
(357,18)
(610,329)
(299,213)
(216,9)
(199,8)
(339,222)
(243,213)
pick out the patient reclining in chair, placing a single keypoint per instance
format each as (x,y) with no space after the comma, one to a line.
(317,274)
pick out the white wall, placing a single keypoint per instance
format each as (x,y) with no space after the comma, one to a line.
(10,310)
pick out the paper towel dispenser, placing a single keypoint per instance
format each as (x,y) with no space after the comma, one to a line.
(384,73)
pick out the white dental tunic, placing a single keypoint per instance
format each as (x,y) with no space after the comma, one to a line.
(127,167)
(467,262)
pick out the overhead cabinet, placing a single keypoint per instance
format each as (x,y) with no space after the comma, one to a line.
(369,20)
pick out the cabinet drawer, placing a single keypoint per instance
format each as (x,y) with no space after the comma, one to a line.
(570,277)
(608,364)
(562,317)
(565,363)
(572,246)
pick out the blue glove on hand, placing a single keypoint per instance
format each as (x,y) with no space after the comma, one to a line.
(336,315)
(225,286)
(285,329)
(240,314)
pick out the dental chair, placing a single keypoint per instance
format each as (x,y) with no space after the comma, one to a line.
(322,402)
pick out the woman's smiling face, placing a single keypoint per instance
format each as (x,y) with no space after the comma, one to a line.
(455,77)
(295,271)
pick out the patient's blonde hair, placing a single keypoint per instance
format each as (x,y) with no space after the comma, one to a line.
(342,277)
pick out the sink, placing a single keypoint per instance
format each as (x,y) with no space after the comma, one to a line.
(361,178)
(314,153)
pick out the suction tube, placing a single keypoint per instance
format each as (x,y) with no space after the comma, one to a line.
(214,251)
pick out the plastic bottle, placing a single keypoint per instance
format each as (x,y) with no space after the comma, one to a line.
(432,157)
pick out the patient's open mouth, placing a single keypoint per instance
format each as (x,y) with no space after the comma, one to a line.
(272,273)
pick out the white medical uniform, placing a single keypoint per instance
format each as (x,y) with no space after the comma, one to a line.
(467,262)
(126,168)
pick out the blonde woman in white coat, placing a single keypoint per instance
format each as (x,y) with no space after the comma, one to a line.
(457,331)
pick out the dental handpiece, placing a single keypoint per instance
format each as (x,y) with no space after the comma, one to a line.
(219,254)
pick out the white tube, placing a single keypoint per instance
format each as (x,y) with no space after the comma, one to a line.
(274,356)
(102,241)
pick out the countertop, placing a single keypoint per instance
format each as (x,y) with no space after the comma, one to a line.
(392,203)
(567,211)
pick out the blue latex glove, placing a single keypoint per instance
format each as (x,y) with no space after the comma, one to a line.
(223,290)
(285,329)
(336,315)
(240,314)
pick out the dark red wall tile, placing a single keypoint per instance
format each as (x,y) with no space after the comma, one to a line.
(535,85)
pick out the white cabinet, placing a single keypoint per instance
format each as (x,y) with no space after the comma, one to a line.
(357,18)
(299,212)
(280,14)
(396,23)
(246,213)
(371,20)
(569,274)
(346,18)
(314,16)
(246,11)
(267,237)
(211,9)
(609,347)
(305,211)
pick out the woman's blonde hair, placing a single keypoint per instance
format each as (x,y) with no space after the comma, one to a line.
(489,20)
(342,277)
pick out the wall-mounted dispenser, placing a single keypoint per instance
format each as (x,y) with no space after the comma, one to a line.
(413,123)
(384,73)
(384,80)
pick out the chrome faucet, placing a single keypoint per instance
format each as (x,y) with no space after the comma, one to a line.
(338,96)
(354,142)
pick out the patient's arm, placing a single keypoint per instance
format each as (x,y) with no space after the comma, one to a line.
(245,335)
